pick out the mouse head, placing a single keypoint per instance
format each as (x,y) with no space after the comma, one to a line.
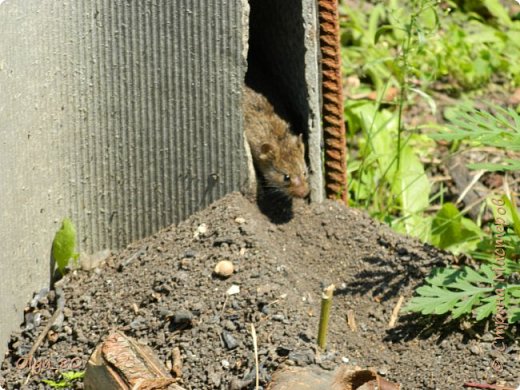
(283,165)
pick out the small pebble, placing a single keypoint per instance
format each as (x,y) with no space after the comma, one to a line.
(38,298)
(165,313)
(201,231)
(225,363)
(182,317)
(302,358)
(229,341)
(278,317)
(229,325)
(234,289)
(283,351)
(224,268)
(58,322)
(137,324)
(240,220)
(223,240)
(488,337)
(67,312)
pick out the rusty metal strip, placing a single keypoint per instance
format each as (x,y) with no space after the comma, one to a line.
(332,109)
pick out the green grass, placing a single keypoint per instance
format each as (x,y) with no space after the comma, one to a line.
(402,53)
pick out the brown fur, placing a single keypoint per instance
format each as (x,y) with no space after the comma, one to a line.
(278,154)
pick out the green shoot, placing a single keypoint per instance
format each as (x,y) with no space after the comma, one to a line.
(501,130)
(66,380)
(326,304)
(64,244)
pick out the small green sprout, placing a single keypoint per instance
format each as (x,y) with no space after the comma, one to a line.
(64,245)
(67,379)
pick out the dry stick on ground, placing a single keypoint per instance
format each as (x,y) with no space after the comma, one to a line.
(44,332)
(470,185)
(255,347)
(475,203)
(486,386)
(465,184)
(42,336)
(351,320)
(176,363)
(326,303)
(134,256)
(395,312)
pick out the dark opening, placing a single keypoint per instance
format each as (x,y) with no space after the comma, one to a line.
(276,58)
(276,69)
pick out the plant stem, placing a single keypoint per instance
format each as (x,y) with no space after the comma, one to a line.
(326,303)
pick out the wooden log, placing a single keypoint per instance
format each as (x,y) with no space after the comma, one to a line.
(121,363)
(343,378)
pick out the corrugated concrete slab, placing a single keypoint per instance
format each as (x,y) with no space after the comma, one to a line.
(123,115)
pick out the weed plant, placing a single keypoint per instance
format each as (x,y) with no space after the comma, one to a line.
(393,55)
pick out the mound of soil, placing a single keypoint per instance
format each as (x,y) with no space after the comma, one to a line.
(162,291)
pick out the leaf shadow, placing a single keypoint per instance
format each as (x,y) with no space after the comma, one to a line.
(386,279)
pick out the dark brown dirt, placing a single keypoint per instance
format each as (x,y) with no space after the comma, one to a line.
(281,269)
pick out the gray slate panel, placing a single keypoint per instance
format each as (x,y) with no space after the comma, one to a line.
(124,115)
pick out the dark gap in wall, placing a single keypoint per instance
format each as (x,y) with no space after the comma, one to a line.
(276,58)
(276,68)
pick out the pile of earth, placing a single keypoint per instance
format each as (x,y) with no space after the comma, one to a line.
(162,291)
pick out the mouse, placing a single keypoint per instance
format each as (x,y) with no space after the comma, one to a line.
(278,154)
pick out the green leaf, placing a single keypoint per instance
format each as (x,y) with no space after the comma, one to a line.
(465,306)
(73,375)
(67,379)
(458,292)
(487,309)
(442,276)
(446,226)
(498,11)
(488,271)
(481,127)
(472,276)
(510,165)
(514,214)
(412,187)
(452,231)
(64,244)
(376,14)
(382,30)
(514,291)
(514,315)
(442,308)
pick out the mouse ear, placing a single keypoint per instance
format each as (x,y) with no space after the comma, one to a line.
(267,151)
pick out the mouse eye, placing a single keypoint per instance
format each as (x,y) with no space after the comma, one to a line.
(286,178)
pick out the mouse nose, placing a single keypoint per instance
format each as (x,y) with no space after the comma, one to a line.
(300,189)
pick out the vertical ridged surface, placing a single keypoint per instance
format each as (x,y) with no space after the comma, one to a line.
(159,129)
(124,115)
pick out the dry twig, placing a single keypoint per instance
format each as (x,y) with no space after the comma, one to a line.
(395,312)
